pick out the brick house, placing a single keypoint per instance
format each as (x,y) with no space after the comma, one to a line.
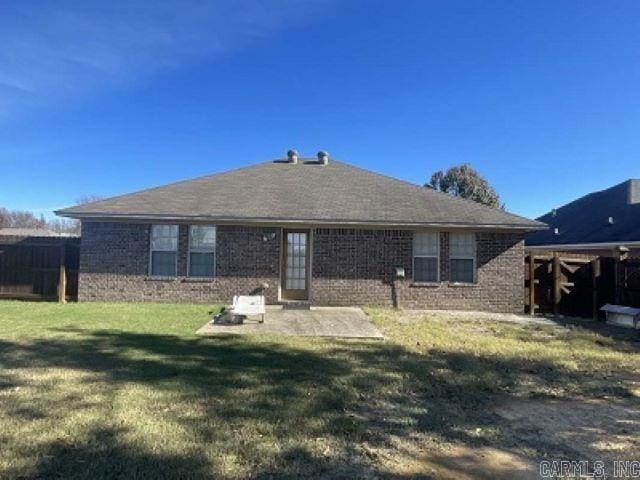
(310,230)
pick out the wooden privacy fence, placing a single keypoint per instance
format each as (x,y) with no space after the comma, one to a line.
(39,268)
(628,291)
(578,285)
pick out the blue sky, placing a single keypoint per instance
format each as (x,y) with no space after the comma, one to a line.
(102,98)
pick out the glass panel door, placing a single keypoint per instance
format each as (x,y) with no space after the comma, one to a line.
(295,265)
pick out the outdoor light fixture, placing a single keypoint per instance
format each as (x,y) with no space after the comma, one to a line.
(268,236)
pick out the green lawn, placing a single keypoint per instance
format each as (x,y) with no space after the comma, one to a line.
(128,391)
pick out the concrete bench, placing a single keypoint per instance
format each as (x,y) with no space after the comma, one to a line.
(622,316)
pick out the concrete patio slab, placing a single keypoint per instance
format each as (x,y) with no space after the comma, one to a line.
(339,322)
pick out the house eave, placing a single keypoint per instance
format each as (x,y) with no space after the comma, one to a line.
(585,246)
(293,221)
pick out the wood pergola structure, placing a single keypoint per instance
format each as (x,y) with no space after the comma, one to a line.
(39,267)
(563,283)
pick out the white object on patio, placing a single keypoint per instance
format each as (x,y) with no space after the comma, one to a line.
(622,316)
(248,305)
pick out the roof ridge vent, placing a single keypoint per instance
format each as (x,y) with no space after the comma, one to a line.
(323,157)
(292,156)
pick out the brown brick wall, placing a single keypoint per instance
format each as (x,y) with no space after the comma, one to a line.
(349,267)
(354,267)
(114,264)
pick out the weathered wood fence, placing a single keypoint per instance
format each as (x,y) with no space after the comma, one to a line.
(578,285)
(39,268)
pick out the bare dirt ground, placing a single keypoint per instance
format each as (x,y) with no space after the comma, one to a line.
(596,430)
(592,430)
(597,418)
(412,316)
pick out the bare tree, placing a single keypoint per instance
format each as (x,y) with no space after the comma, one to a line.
(68,225)
(88,199)
(26,219)
(64,225)
(5,218)
(20,219)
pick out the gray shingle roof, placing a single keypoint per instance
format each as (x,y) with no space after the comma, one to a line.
(586,220)
(30,232)
(307,192)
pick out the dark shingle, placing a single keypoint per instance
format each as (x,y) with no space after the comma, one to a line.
(277,191)
(586,220)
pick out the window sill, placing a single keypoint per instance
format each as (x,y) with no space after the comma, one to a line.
(198,279)
(425,284)
(160,279)
(462,285)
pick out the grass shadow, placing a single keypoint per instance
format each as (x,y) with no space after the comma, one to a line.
(101,454)
(621,337)
(238,396)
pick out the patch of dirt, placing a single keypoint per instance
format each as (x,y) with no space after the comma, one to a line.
(593,430)
(437,459)
(412,316)
(459,462)
(604,430)
(431,456)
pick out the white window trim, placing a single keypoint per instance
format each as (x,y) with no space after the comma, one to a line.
(202,250)
(414,256)
(473,257)
(151,250)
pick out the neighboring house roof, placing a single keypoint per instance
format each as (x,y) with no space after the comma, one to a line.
(30,232)
(587,219)
(306,192)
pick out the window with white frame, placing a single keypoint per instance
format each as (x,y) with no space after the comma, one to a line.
(462,257)
(426,247)
(164,250)
(202,251)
